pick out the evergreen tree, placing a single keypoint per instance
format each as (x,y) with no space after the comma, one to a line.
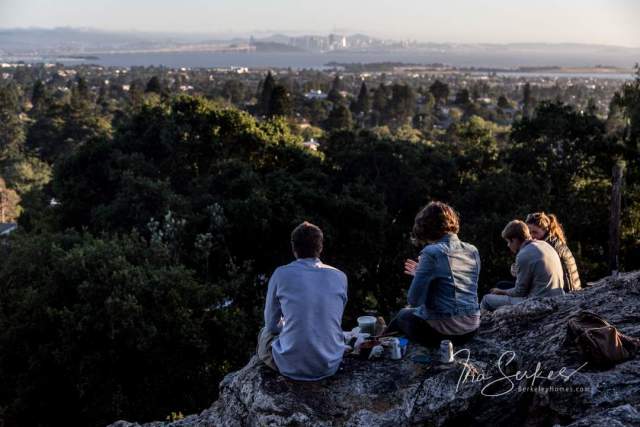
(401,106)
(38,95)
(334,94)
(463,98)
(631,103)
(440,91)
(503,102)
(265,96)
(475,93)
(279,102)
(363,103)
(102,95)
(233,91)
(258,93)
(339,118)
(592,108)
(12,133)
(526,101)
(380,99)
(135,92)
(82,88)
(615,123)
(154,86)
(337,83)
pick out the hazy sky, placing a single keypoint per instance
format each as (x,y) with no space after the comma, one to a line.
(497,21)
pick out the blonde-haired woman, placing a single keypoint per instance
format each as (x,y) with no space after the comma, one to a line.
(547,227)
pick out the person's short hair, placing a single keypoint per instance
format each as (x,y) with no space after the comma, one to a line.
(433,222)
(306,240)
(516,229)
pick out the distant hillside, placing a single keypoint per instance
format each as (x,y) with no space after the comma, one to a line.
(80,40)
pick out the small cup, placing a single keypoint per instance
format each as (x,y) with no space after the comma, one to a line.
(395,350)
(367,324)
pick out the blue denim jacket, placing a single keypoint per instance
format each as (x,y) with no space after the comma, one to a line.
(446,280)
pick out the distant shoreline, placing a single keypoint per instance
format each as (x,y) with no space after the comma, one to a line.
(440,68)
(512,64)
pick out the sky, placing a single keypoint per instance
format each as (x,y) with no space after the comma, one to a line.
(611,22)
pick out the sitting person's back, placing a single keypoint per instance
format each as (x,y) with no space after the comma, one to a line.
(538,266)
(450,288)
(303,337)
(443,294)
(539,271)
(311,296)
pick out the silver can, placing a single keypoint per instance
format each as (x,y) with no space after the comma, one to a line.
(394,348)
(446,351)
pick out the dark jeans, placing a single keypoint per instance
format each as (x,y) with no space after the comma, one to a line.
(418,330)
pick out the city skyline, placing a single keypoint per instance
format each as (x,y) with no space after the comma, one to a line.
(462,21)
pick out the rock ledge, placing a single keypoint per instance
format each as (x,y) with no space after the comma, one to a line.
(401,393)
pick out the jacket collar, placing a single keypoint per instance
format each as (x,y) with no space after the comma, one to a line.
(449,237)
(525,243)
(309,261)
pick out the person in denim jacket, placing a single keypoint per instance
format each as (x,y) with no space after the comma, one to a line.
(443,296)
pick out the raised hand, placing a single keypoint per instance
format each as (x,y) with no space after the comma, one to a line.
(410,267)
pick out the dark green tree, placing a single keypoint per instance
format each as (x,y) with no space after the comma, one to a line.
(615,119)
(363,103)
(280,103)
(233,91)
(339,118)
(631,103)
(401,107)
(123,314)
(592,108)
(61,128)
(463,98)
(38,95)
(103,95)
(154,85)
(265,96)
(380,100)
(334,94)
(527,101)
(503,102)
(440,91)
(475,93)
(82,88)
(12,134)
(136,92)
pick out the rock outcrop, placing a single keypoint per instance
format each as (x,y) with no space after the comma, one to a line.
(531,390)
